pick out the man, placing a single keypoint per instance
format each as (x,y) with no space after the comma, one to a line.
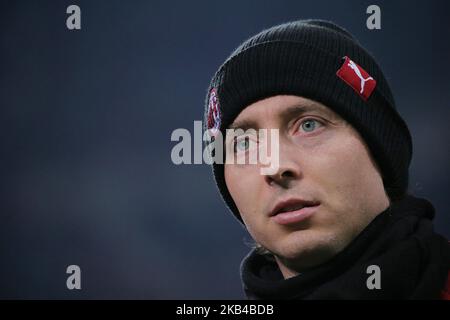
(334,220)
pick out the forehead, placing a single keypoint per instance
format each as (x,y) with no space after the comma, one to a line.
(280,108)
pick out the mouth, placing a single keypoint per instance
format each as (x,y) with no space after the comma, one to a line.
(293,211)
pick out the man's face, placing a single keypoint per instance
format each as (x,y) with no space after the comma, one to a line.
(322,159)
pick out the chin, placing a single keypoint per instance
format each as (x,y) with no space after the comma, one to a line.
(310,247)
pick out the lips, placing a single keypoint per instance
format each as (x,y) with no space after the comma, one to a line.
(292,205)
(293,211)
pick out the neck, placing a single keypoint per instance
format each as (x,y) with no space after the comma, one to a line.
(285,271)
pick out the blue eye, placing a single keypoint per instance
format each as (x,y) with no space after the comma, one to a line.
(309,125)
(241,145)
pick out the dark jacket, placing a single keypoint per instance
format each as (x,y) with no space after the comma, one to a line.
(413,261)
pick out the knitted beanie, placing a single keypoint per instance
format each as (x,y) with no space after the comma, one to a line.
(320,61)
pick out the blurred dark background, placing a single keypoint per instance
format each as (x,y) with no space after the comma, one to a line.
(86,117)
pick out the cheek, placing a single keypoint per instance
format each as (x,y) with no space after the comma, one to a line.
(346,174)
(243,183)
(246,186)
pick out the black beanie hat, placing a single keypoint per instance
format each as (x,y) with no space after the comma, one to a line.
(321,61)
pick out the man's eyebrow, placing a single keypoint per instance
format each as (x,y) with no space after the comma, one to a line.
(297,110)
(286,114)
(244,125)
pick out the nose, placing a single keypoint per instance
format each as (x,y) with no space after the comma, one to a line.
(289,169)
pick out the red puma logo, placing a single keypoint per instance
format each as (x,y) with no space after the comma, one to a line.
(357,78)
